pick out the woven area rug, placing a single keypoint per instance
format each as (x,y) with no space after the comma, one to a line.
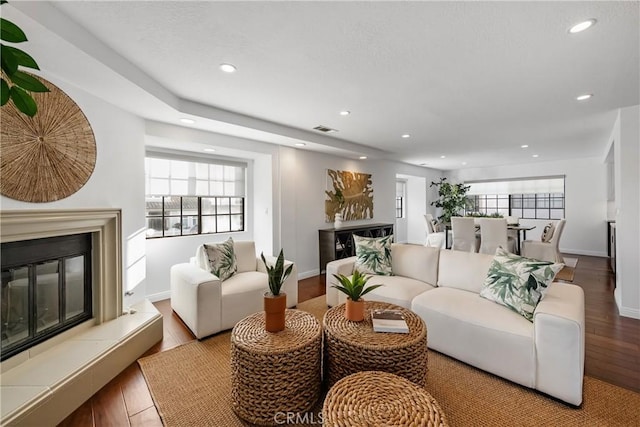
(569,270)
(191,384)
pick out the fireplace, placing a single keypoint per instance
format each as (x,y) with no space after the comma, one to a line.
(43,384)
(46,289)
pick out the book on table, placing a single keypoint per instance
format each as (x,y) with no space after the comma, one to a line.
(386,320)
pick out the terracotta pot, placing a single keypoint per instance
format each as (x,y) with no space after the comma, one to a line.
(354,310)
(274,308)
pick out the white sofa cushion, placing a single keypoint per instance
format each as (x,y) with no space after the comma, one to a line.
(518,283)
(416,262)
(242,293)
(221,259)
(396,290)
(245,255)
(463,270)
(479,332)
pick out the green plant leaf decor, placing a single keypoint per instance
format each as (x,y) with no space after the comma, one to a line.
(452,198)
(354,287)
(15,84)
(277,273)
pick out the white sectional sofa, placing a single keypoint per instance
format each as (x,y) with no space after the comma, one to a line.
(442,287)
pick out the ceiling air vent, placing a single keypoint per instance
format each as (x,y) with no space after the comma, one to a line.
(324,129)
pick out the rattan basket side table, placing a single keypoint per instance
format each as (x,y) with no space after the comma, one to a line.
(352,347)
(278,372)
(373,398)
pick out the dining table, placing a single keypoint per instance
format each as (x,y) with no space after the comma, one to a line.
(521,232)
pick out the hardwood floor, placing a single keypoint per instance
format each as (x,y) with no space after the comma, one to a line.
(612,351)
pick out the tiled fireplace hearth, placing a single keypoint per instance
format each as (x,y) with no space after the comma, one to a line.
(42,385)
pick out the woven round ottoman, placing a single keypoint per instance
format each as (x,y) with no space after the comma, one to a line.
(272,373)
(352,347)
(378,399)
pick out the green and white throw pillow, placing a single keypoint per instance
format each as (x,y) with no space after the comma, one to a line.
(373,255)
(222,259)
(517,282)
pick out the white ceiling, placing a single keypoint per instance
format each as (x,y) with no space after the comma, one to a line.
(471,81)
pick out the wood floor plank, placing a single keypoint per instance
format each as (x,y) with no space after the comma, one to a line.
(135,391)
(83,416)
(146,418)
(108,406)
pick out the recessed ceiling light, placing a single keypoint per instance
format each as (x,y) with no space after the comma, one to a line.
(584,97)
(443,157)
(582,26)
(406,135)
(209,150)
(464,163)
(524,146)
(363,157)
(228,68)
(187,121)
(345,113)
(300,144)
(535,155)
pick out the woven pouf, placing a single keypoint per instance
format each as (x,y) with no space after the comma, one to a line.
(352,347)
(274,373)
(379,399)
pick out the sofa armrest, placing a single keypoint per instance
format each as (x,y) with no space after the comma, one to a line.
(197,298)
(340,266)
(559,334)
(290,285)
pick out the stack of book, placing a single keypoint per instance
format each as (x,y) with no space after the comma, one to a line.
(389,321)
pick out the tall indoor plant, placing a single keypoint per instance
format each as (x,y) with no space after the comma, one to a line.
(275,302)
(354,288)
(452,198)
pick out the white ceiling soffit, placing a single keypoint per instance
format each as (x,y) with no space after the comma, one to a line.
(469,81)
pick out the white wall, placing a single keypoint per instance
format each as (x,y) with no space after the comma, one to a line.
(400,229)
(308,171)
(625,138)
(117,180)
(585,232)
(416,208)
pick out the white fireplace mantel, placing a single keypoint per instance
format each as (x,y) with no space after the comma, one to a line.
(44,384)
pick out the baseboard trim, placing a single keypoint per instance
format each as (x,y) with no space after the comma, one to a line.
(307,274)
(583,252)
(159,296)
(634,313)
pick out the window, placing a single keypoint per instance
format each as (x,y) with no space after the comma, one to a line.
(187,196)
(535,198)
(401,187)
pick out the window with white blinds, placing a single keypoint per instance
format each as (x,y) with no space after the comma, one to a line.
(188,195)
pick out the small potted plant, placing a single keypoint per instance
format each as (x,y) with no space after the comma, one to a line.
(354,289)
(275,302)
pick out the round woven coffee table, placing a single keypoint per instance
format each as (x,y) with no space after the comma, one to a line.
(380,399)
(274,373)
(353,346)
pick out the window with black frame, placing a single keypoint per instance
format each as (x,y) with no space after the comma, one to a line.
(187,196)
(532,198)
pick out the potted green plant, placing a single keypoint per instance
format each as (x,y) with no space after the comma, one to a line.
(354,288)
(275,302)
(452,198)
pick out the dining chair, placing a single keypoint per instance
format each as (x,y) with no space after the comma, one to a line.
(435,238)
(464,234)
(493,233)
(546,251)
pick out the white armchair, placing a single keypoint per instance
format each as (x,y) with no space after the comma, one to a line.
(207,305)
(545,251)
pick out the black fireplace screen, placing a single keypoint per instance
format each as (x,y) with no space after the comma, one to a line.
(46,289)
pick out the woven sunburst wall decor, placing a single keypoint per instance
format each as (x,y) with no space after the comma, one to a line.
(49,156)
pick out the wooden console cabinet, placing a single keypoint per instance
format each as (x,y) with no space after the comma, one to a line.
(338,243)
